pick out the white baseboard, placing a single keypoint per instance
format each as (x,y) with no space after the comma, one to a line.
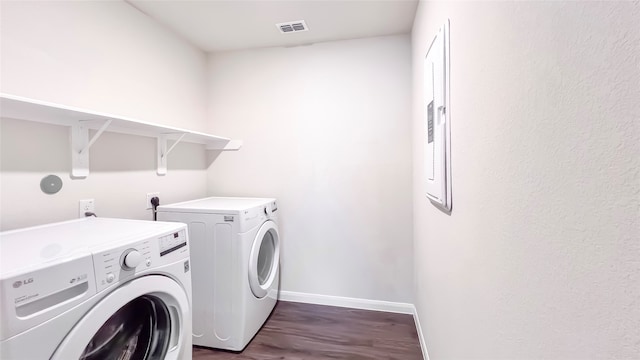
(423,344)
(354,303)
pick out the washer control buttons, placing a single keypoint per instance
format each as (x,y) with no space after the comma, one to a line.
(110,277)
(148,262)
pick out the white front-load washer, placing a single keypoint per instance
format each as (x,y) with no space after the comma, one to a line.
(235,254)
(96,288)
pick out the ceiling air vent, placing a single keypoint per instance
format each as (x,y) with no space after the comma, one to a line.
(292,26)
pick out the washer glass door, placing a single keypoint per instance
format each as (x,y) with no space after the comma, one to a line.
(147,318)
(264,259)
(138,331)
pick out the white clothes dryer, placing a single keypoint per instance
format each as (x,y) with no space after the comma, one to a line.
(235,253)
(96,288)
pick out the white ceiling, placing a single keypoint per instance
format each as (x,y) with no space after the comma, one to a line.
(219,25)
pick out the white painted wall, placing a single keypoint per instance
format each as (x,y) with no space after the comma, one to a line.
(326,131)
(105,56)
(539,259)
(108,57)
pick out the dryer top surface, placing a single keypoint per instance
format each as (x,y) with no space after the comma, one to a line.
(217,204)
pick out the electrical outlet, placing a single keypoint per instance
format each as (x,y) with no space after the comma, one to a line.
(86,205)
(149,196)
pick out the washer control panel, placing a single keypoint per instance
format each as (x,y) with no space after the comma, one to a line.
(172,242)
(119,263)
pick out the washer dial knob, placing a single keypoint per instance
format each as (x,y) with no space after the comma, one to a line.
(131,259)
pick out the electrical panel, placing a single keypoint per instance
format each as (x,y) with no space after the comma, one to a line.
(437,137)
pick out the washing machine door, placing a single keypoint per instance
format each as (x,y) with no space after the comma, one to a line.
(141,320)
(264,259)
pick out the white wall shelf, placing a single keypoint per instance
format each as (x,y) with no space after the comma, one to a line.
(80,121)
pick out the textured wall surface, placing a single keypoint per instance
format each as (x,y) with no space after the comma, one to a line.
(108,57)
(326,130)
(540,258)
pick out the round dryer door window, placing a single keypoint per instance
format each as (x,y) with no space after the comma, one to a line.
(146,319)
(264,259)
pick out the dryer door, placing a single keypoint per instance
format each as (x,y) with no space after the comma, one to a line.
(143,319)
(264,259)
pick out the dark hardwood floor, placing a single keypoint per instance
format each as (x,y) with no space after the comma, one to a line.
(313,332)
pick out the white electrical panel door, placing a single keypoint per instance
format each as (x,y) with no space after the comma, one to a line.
(437,121)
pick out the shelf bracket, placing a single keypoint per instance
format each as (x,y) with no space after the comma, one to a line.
(163,152)
(80,144)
